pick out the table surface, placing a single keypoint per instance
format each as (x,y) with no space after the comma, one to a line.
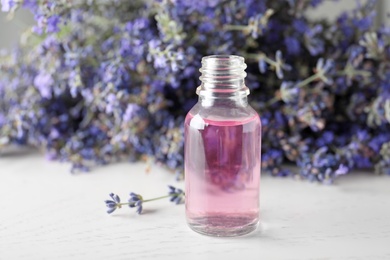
(48,213)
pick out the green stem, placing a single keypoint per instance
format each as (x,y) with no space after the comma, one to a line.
(262,56)
(252,56)
(363,73)
(272,101)
(158,198)
(236,27)
(269,61)
(308,80)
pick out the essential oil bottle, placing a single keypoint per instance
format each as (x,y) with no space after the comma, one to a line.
(222,152)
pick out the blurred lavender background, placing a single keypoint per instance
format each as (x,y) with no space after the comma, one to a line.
(340,54)
(11,30)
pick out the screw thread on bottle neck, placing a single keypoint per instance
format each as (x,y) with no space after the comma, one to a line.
(222,76)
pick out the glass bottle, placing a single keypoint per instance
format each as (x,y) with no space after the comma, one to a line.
(222,152)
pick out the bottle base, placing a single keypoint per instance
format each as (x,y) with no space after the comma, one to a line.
(222,226)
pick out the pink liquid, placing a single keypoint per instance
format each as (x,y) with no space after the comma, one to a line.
(222,173)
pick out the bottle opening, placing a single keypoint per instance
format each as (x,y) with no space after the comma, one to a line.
(222,74)
(223,62)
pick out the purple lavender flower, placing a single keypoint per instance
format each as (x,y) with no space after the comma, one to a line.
(136,200)
(52,24)
(41,21)
(44,82)
(138,204)
(111,102)
(113,204)
(2,119)
(130,112)
(31,4)
(300,25)
(177,195)
(289,92)
(315,3)
(6,5)
(323,68)
(280,65)
(342,170)
(199,5)
(313,42)
(262,65)
(293,45)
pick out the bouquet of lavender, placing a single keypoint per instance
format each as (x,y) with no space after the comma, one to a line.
(98,81)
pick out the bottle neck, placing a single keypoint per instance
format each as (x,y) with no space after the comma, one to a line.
(223,81)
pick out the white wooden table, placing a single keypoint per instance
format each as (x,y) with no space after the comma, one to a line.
(47,213)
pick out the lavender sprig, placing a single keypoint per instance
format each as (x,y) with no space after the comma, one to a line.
(136,201)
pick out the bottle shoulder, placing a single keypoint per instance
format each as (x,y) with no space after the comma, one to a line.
(223,113)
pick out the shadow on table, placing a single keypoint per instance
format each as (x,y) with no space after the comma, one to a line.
(131,215)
